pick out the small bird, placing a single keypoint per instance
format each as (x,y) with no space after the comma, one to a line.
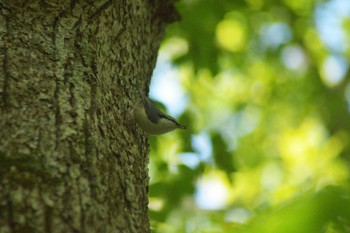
(151,120)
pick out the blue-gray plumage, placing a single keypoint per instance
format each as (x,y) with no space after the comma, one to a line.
(152,120)
(153,113)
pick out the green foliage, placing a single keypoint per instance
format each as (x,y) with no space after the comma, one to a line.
(312,212)
(269,98)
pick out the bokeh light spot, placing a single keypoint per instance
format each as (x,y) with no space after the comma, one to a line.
(230,35)
(333,70)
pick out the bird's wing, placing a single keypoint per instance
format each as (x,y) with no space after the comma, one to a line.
(151,110)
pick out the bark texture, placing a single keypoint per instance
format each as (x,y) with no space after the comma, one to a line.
(71,157)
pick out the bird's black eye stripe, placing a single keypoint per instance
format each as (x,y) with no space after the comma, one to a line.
(169,118)
(173,120)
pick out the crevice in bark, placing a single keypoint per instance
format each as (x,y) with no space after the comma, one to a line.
(72,5)
(87,135)
(5,92)
(66,211)
(58,117)
(88,155)
(56,102)
(54,30)
(100,9)
(11,222)
(72,102)
(4,7)
(67,77)
(48,219)
(93,90)
(82,212)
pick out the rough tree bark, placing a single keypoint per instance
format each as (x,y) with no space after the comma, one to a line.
(71,157)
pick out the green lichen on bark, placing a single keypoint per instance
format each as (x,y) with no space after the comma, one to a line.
(71,157)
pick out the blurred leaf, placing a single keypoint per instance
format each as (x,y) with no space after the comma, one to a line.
(197,26)
(222,157)
(310,213)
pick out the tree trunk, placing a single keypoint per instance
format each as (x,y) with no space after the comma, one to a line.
(71,157)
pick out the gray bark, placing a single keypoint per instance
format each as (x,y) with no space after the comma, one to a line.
(71,157)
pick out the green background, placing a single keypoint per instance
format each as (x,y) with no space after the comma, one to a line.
(267,110)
